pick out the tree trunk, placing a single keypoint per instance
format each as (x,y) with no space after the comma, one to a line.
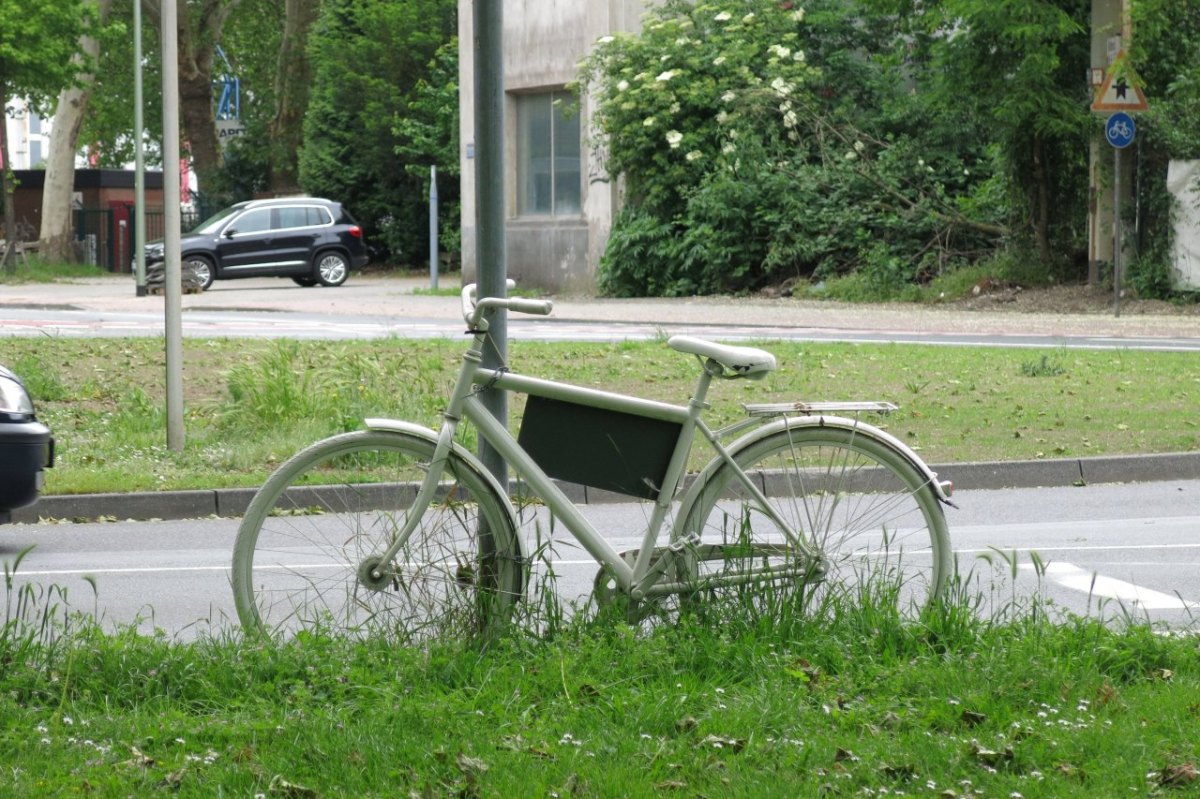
(200,26)
(199,123)
(8,261)
(55,236)
(1041,203)
(291,97)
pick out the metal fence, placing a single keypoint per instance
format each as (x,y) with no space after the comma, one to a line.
(105,236)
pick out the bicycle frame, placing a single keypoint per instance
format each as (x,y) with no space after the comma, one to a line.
(640,579)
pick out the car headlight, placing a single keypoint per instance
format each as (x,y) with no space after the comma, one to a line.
(154,251)
(13,397)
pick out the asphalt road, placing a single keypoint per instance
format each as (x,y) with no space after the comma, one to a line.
(1108,549)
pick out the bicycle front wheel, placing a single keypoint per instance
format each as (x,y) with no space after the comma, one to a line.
(307,555)
(868,515)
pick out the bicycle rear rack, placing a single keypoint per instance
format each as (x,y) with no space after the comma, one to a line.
(810,408)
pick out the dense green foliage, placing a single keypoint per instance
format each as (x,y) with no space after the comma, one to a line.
(372,64)
(758,142)
(892,139)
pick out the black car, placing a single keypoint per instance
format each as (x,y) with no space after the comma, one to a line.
(311,240)
(26,447)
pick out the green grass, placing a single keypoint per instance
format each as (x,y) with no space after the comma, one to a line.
(37,270)
(729,702)
(250,404)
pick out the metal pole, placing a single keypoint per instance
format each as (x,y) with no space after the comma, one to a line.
(1117,231)
(433,228)
(139,158)
(172,290)
(491,267)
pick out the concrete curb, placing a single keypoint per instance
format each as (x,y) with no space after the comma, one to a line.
(232,502)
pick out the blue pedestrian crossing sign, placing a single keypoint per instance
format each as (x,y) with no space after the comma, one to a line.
(1120,130)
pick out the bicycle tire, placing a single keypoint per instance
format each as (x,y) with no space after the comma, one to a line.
(298,562)
(871,514)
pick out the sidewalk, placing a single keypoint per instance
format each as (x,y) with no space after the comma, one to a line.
(379,296)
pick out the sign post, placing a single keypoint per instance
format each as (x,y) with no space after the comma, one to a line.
(1120,131)
(1121,93)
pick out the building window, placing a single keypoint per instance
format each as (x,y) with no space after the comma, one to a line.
(549,178)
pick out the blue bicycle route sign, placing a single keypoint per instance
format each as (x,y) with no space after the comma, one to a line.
(1120,130)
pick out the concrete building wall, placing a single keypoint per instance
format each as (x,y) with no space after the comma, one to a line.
(544,40)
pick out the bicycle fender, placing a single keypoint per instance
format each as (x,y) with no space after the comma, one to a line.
(420,431)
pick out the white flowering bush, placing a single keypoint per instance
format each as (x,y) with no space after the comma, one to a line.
(760,141)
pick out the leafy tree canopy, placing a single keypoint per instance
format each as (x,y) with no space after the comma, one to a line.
(369,58)
(38,48)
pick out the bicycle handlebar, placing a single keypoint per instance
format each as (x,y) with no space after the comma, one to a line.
(474,310)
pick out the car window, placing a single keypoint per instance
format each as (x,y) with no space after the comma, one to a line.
(318,216)
(214,222)
(291,217)
(256,221)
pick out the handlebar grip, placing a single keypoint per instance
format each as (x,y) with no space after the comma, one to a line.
(538,307)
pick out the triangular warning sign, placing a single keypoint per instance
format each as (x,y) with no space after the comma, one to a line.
(1120,90)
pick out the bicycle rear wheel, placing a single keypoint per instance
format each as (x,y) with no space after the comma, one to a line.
(306,556)
(858,503)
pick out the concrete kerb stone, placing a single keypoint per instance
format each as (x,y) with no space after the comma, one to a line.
(232,502)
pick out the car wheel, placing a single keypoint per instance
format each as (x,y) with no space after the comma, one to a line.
(332,269)
(306,282)
(202,268)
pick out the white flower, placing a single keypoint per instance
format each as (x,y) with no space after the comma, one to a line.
(674,137)
(798,15)
(781,87)
(748,17)
(648,122)
(623,85)
(605,40)
(798,56)
(724,16)
(779,50)
(674,109)
(663,77)
(728,97)
(718,61)
(789,119)
(859,146)
(729,148)
(851,155)
(722,117)
(694,154)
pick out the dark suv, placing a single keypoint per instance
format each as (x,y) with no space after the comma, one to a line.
(307,239)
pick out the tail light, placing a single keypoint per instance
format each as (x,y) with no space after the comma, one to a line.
(355,231)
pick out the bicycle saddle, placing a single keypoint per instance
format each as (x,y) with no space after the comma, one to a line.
(746,362)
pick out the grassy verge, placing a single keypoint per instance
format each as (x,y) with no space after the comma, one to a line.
(250,404)
(37,270)
(731,702)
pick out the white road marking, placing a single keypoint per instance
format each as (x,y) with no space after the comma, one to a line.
(1068,575)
